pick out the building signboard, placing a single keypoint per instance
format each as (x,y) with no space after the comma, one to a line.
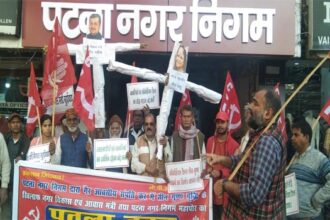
(214,26)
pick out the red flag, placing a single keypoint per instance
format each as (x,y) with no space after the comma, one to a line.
(58,70)
(230,105)
(129,114)
(325,112)
(83,96)
(281,120)
(33,103)
(185,100)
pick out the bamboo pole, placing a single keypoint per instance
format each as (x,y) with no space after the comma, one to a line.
(54,105)
(128,123)
(39,124)
(272,121)
(316,121)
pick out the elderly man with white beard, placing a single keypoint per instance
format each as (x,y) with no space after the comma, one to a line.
(115,127)
(73,148)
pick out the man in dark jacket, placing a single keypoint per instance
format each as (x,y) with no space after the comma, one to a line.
(18,144)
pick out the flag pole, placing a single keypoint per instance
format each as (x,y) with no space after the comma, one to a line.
(128,123)
(39,124)
(248,151)
(316,121)
(54,105)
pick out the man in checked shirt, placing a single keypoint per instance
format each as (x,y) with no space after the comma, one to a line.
(257,190)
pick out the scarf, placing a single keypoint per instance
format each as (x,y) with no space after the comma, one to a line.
(188,137)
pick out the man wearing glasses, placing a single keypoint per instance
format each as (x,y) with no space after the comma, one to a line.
(144,161)
(73,148)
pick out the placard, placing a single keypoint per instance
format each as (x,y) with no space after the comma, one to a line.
(99,52)
(177,80)
(110,153)
(38,153)
(291,194)
(141,94)
(96,47)
(184,176)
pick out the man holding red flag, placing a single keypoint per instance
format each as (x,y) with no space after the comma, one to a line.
(74,147)
(34,104)
(230,105)
(59,73)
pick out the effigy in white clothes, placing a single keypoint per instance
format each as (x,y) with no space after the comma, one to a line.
(178,62)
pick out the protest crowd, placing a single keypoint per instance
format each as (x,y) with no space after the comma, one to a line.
(272,145)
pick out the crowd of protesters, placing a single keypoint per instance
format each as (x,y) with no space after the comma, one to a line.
(256,192)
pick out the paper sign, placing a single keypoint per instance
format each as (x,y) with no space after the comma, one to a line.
(99,52)
(110,153)
(96,47)
(39,153)
(184,176)
(142,94)
(291,194)
(177,80)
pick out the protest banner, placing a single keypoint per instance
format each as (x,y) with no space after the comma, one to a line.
(291,194)
(184,176)
(142,94)
(110,153)
(38,153)
(61,193)
(177,80)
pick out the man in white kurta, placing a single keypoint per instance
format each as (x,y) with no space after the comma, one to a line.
(144,161)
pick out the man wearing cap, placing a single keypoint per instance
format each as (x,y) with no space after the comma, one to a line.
(221,144)
(18,144)
(73,147)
